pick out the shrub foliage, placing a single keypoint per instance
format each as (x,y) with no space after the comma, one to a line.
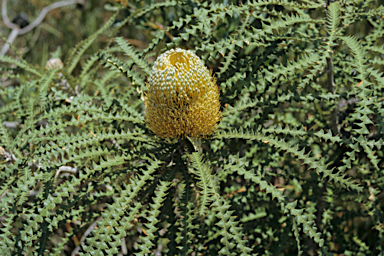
(294,168)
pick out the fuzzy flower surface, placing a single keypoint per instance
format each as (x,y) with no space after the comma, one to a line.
(54,63)
(182,98)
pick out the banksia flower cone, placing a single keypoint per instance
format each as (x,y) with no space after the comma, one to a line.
(182,98)
(54,63)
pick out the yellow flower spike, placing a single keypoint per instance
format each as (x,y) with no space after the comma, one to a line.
(182,98)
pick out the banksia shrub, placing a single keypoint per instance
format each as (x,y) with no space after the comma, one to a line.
(182,98)
(295,166)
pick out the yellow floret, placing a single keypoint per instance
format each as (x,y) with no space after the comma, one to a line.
(182,98)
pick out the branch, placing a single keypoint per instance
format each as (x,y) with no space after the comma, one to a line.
(16,30)
(44,12)
(7,22)
(84,236)
(66,169)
